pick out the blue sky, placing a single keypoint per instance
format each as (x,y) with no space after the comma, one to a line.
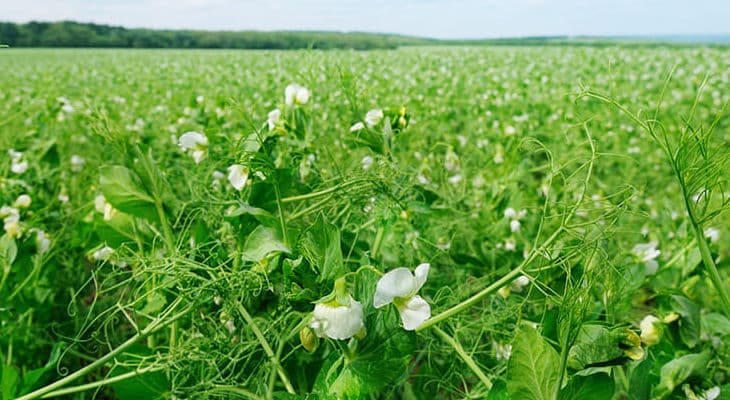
(431,18)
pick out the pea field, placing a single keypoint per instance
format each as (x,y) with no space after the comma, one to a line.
(524,223)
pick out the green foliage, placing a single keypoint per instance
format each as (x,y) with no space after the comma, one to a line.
(531,374)
(553,223)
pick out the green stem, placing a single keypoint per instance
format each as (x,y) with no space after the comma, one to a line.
(81,388)
(166,230)
(712,268)
(152,327)
(465,357)
(509,277)
(378,241)
(267,348)
(320,193)
(279,201)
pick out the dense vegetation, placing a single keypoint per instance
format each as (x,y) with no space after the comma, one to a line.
(74,34)
(504,223)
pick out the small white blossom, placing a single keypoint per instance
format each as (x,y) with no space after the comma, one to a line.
(23,201)
(77,163)
(373,117)
(42,242)
(238,176)
(196,143)
(515,226)
(336,320)
(367,162)
(502,351)
(104,207)
(273,118)
(400,287)
(519,283)
(510,244)
(357,126)
(102,254)
(295,94)
(650,330)
(647,253)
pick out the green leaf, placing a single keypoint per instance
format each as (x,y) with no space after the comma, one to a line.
(146,386)
(8,382)
(689,324)
(379,363)
(593,387)
(599,345)
(40,376)
(124,190)
(262,242)
(532,372)
(8,252)
(678,370)
(714,324)
(320,245)
(498,391)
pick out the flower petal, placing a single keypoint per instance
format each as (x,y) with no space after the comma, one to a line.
(421,276)
(396,283)
(337,322)
(414,313)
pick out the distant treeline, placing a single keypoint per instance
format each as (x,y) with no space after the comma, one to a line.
(75,34)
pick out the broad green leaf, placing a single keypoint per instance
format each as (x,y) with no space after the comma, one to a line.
(599,345)
(592,387)
(715,324)
(262,242)
(678,370)
(320,245)
(36,378)
(380,362)
(532,372)
(146,386)
(498,391)
(8,382)
(8,252)
(690,323)
(124,190)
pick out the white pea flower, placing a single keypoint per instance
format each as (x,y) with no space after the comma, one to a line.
(373,117)
(515,226)
(196,143)
(23,201)
(647,253)
(650,330)
(502,351)
(338,316)
(17,165)
(104,207)
(510,244)
(273,118)
(451,162)
(102,254)
(367,162)
(519,283)
(510,213)
(400,287)
(295,94)
(238,176)
(77,163)
(9,214)
(42,242)
(357,126)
